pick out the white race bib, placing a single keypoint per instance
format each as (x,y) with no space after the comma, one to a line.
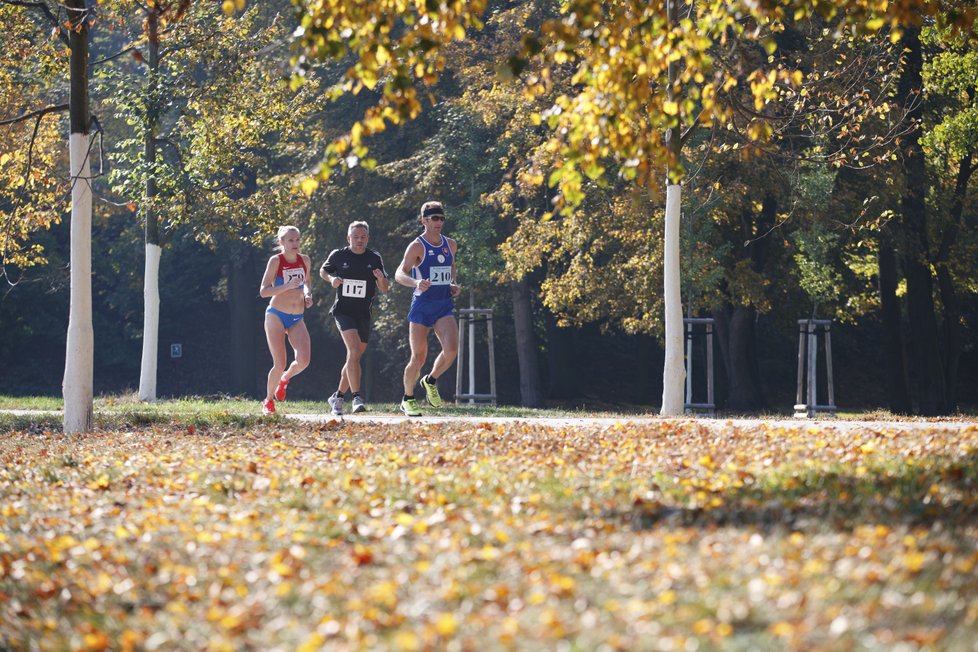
(354,288)
(440,275)
(294,272)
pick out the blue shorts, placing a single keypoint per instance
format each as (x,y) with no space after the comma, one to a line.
(288,320)
(427,313)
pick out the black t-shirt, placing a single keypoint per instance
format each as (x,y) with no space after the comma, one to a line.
(359,285)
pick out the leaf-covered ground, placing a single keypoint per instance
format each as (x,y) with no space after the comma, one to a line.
(664,536)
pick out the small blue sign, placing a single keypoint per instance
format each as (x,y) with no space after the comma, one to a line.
(176,350)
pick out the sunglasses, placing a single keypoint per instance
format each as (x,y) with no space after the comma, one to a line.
(436,218)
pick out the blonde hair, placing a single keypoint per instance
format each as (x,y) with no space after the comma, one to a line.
(356,225)
(282,232)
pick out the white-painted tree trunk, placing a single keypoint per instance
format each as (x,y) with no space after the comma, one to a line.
(673,372)
(79,356)
(151,323)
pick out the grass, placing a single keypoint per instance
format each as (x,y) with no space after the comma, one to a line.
(223,406)
(127,412)
(273,534)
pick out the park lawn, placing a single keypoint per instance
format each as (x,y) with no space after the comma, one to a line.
(212,408)
(656,536)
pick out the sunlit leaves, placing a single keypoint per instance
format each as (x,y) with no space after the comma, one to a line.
(624,101)
(489,536)
(227,125)
(33,196)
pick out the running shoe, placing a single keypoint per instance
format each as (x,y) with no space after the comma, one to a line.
(359,405)
(410,407)
(431,392)
(268,407)
(335,405)
(280,390)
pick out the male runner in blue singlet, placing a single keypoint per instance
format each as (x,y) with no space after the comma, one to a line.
(429,268)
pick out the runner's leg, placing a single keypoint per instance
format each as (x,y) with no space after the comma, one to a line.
(418,338)
(299,339)
(446,330)
(275,334)
(351,373)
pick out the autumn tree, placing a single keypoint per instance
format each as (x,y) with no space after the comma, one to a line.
(212,114)
(31,110)
(71,23)
(952,142)
(644,77)
(936,166)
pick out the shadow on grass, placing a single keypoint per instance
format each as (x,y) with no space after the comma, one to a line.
(135,419)
(932,492)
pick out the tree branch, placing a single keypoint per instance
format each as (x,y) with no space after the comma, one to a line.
(44,9)
(177,48)
(35,114)
(114,56)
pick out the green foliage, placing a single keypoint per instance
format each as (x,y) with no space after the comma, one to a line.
(814,260)
(229,130)
(949,79)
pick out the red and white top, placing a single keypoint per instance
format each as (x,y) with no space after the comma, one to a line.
(288,271)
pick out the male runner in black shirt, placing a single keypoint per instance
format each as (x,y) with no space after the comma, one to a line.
(357,273)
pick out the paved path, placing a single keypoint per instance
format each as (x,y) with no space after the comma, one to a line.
(604,422)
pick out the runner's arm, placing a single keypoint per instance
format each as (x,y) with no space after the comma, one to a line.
(412,256)
(268,288)
(454,287)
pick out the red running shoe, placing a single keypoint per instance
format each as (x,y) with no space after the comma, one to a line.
(268,407)
(280,390)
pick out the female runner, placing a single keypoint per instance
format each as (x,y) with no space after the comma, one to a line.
(286,281)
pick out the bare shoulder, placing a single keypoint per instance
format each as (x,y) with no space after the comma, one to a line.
(414,250)
(307,260)
(452,244)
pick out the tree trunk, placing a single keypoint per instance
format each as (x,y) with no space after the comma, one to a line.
(79,355)
(895,370)
(526,346)
(735,336)
(151,276)
(927,358)
(674,371)
(949,294)
(952,337)
(563,371)
(151,323)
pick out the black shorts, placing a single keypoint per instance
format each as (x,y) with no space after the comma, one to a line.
(360,323)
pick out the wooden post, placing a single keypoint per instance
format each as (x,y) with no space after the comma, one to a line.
(808,331)
(468,317)
(828,364)
(812,368)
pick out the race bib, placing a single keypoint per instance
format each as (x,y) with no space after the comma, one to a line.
(440,275)
(354,288)
(293,272)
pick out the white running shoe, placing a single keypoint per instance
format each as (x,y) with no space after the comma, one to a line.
(359,405)
(335,405)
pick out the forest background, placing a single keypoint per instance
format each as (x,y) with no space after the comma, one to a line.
(794,209)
